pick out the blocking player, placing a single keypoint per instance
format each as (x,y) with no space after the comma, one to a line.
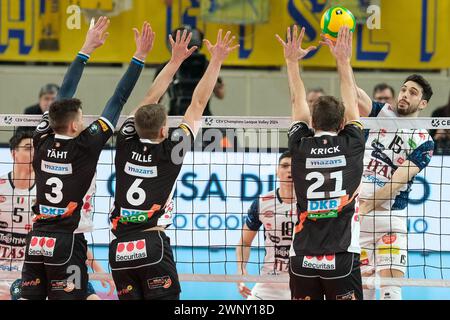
(17,194)
(147,165)
(327,164)
(392,159)
(274,211)
(65,160)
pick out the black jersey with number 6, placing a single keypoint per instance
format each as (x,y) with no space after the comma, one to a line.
(64,168)
(326,170)
(146,173)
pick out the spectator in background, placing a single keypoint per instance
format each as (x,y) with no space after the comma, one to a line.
(384,93)
(441,137)
(188,76)
(47,95)
(313,95)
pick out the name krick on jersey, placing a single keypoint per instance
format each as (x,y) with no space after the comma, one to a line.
(323,151)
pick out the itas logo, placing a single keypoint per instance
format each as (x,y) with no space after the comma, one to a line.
(42,246)
(160,282)
(132,250)
(326,262)
(125,291)
(51,211)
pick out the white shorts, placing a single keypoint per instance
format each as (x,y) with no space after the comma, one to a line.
(5,285)
(383,241)
(271,291)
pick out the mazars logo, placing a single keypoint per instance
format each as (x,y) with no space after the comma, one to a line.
(56,168)
(42,246)
(323,205)
(326,262)
(132,250)
(332,162)
(141,171)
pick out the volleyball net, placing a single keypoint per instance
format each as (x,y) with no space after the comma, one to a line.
(219,182)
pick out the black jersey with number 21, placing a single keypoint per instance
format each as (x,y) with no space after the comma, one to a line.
(326,170)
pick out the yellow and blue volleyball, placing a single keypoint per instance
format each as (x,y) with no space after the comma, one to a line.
(334,19)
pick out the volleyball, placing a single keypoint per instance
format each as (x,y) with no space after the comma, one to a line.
(335,18)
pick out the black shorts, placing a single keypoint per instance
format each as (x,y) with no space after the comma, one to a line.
(143,267)
(55,267)
(334,277)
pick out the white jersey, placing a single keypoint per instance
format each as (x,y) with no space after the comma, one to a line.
(386,150)
(15,222)
(87,212)
(278,221)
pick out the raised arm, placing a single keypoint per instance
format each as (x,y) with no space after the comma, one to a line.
(202,93)
(342,52)
(144,44)
(364,101)
(293,52)
(180,52)
(242,256)
(95,38)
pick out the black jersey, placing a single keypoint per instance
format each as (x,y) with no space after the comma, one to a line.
(64,168)
(146,173)
(327,171)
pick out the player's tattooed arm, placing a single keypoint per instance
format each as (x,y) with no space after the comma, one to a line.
(95,38)
(293,52)
(406,172)
(144,44)
(180,52)
(342,51)
(202,93)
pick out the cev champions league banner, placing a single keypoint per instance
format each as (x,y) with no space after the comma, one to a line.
(215,190)
(412,34)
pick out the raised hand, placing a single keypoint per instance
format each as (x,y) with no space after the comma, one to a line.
(293,46)
(180,51)
(96,36)
(342,49)
(144,41)
(222,48)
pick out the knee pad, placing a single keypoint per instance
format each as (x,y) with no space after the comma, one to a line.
(391,293)
(369,294)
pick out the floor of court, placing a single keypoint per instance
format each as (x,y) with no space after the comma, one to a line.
(220,261)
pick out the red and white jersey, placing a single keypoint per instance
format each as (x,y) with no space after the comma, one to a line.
(15,222)
(277,218)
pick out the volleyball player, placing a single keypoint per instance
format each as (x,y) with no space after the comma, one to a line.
(64,162)
(392,159)
(327,163)
(274,211)
(147,165)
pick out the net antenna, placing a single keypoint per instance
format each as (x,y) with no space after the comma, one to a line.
(357,7)
(109,8)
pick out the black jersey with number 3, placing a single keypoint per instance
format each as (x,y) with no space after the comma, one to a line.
(146,173)
(64,168)
(326,170)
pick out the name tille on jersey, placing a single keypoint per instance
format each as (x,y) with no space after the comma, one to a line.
(140,157)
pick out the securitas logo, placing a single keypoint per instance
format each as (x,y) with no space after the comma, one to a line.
(326,262)
(132,250)
(42,246)
(51,211)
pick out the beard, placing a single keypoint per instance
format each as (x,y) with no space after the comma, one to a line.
(406,111)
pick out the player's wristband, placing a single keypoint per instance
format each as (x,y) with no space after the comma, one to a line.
(83,56)
(137,61)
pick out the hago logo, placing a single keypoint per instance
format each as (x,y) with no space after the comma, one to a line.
(159,282)
(125,291)
(132,250)
(42,246)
